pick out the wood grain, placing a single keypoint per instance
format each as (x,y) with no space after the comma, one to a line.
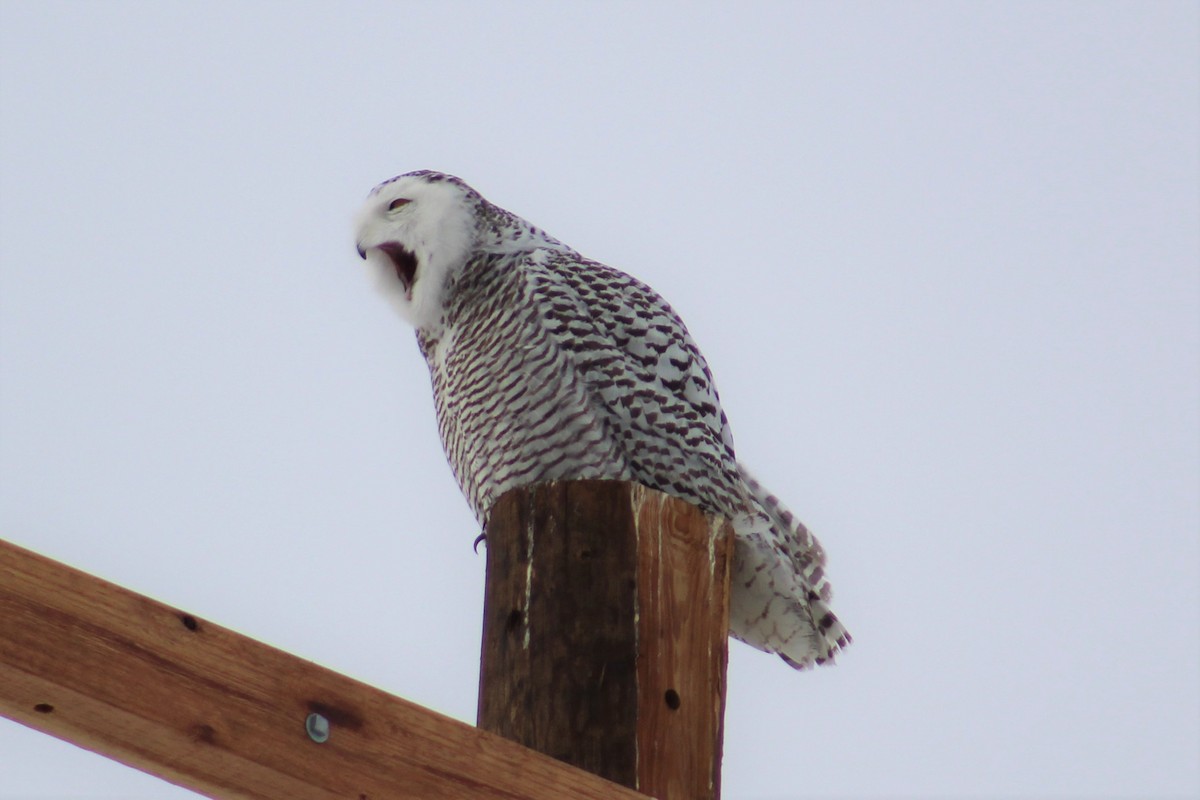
(179,697)
(606,619)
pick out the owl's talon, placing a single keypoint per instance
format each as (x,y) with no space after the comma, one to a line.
(480,538)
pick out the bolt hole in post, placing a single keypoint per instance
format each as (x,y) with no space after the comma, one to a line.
(43,708)
(672,698)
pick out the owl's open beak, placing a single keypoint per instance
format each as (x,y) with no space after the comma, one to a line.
(404,262)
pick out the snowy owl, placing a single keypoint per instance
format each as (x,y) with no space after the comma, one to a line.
(547,365)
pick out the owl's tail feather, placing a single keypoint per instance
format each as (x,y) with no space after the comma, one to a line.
(780,594)
(830,634)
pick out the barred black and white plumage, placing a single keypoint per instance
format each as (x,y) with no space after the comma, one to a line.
(547,365)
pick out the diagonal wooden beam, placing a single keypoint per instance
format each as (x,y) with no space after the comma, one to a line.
(206,708)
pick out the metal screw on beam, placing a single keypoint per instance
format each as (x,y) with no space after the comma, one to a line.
(317,727)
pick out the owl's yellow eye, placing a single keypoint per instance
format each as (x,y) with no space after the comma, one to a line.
(397,203)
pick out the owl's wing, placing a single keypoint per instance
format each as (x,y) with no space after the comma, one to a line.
(644,371)
(646,378)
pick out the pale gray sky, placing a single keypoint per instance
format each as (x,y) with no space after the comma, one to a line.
(942,258)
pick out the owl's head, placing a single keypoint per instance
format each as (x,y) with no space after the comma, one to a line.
(415,231)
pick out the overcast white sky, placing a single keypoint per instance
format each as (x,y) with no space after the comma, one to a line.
(943,258)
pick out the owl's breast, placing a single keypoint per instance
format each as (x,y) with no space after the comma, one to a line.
(513,409)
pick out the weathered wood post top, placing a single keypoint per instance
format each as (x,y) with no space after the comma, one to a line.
(605,634)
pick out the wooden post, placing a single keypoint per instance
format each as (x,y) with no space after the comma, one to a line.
(606,617)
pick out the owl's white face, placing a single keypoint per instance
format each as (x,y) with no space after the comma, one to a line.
(414,232)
